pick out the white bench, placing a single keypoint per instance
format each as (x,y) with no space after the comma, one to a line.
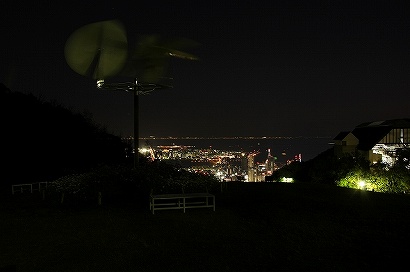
(181,201)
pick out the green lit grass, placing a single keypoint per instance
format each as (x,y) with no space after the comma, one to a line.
(256,227)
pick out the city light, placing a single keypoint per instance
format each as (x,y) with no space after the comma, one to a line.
(287,180)
(225,165)
(362,184)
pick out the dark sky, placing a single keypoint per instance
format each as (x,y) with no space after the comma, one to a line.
(266,68)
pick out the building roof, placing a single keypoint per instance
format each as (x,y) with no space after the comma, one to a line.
(370,133)
(370,136)
(394,123)
(341,135)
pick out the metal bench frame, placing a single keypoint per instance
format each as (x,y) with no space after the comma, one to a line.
(181,201)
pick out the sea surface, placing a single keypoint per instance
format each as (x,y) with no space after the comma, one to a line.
(283,148)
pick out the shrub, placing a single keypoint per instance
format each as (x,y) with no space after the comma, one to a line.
(123,182)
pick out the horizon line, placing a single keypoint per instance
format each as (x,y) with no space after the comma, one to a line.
(222,137)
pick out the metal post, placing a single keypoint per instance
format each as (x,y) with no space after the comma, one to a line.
(136,128)
(183,203)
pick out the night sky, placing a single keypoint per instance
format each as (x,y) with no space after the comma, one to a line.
(266,68)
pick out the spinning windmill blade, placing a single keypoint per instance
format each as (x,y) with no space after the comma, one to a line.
(174,48)
(98,50)
(150,59)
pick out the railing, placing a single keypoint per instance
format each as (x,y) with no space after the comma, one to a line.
(24,187)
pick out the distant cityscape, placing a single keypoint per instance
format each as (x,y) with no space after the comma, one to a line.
(226,165)
(222,138)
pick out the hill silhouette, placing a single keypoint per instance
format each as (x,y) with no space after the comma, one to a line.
(44,140)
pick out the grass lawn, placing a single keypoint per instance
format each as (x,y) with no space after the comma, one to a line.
(256,227)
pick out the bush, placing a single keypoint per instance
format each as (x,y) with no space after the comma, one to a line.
(121,182)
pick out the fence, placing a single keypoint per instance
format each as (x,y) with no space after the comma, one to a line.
(28,187)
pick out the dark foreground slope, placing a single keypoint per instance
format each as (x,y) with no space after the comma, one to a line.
(42,141)
(256,227)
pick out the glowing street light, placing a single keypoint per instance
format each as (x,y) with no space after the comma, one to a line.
(362,184)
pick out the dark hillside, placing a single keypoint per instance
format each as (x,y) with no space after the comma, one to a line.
(43,140)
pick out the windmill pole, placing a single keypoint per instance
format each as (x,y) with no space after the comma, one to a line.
(136,127)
